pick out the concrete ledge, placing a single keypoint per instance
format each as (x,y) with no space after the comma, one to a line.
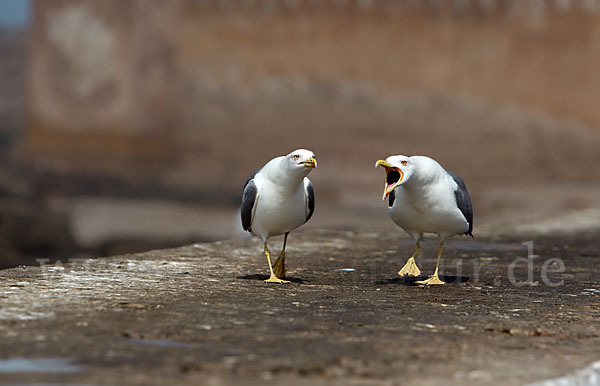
(202,315)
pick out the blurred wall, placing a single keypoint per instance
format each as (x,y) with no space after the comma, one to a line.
(100,81)
(179,85)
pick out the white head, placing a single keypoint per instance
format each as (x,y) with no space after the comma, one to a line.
(300,160)
(398,170)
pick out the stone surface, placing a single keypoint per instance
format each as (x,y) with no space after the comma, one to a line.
(201,314)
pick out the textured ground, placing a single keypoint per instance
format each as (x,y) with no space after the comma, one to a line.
(202,315)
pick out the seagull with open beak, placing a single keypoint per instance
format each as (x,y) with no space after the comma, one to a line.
(425,198)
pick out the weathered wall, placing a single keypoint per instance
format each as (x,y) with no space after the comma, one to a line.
(100,78)
(179,82)
(534,53)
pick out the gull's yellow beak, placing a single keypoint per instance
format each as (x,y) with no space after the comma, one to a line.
(311,163)
(383,163)
(391,173)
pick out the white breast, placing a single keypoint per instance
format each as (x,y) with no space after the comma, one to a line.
(428,209)
(278,210)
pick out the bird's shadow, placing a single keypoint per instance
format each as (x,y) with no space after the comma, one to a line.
(261,277)
(412,280)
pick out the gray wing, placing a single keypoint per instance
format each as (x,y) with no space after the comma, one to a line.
(248,201)
(310,193)
(463,201)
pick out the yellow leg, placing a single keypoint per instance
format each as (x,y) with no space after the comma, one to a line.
(273,278)
(279,265)
(410,268)
(434,279)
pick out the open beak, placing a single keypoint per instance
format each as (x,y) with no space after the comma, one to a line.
(393,177)
(310,163)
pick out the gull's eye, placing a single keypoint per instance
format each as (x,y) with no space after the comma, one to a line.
(295,157)
(403,163)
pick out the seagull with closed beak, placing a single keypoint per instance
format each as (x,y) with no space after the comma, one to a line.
(277,199)
(426,198)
